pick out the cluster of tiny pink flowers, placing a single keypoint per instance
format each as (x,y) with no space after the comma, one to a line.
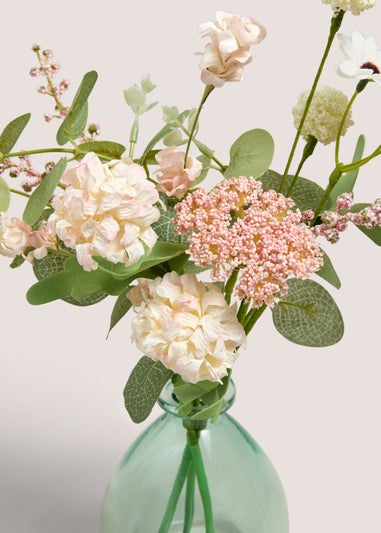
(238,225)
(333,223)
(48,69)
(24,167)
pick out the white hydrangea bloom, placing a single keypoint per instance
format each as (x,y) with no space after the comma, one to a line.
(324,115)
(106,210)
(356,7)
(187,325)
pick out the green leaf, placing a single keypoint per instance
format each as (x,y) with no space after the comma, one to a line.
(53,264)
(103,148)
(188,392)
(42,194)
(143,388)
(153,142)
(308,315)
(328,273)
(251,154)
(373,234)
(75,121)
(212,411)
(306,193)
(5,195)
(12,132)
(347,181)
(121,307)
(164,227)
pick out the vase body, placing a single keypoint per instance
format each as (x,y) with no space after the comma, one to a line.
(246,493)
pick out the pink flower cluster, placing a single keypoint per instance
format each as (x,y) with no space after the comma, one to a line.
(238,225)
(24,166)
(333,223)
(16,238)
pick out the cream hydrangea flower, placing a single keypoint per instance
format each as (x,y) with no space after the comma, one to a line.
(324,115)
(187,325)
(228,51)
(356,7)
(175,179)
(106,210)
(363,58)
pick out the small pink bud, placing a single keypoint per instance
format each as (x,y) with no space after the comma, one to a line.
(48,118)
(35,47)
(34,72)
(48,54)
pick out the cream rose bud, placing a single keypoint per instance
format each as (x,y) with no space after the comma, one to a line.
(106,210)
(174,179)
(228,51)
(187,325)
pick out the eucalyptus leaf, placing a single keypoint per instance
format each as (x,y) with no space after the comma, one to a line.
(75,121)
(5,196)
(103,148)
(328,273)
(306,193)
(143,388)
(212,411)
(164,227)
(43,193)
(12,132)
(121,307)
(308,315)
(251,154)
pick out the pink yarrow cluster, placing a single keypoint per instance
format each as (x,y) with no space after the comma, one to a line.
(333,223)
(238,225)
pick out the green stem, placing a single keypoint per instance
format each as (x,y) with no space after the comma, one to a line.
(252,317)
(307,152)
(334,28)
(333,179)
(207,91)
(204,150)
(134,133)
(341,126)
(189,500)
(40,151)
(176,490)
(193,438)
(229,286)
(21,193)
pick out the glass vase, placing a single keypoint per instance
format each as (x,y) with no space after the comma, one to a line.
(158,486)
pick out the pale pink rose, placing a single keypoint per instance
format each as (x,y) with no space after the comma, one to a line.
(106,210)
(187,325)
(175,179)
(228,51)
(16,237)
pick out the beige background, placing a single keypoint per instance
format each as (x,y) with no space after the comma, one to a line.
(316,412)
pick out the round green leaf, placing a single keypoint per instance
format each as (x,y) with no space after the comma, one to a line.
(251,154)
(308,315)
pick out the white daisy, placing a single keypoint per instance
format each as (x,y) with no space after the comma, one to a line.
(363,57)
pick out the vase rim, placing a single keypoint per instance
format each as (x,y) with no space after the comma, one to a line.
(168,402)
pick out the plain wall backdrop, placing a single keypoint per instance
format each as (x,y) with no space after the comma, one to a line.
(316,412)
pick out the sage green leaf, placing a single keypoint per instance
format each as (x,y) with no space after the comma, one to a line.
(53,264)
(347,181)
(308,315)
(188,392)
(153,142)
(373,234)
(5,195)
(328,273)
(121,307)
(75,121)
(103,148)
(306,193)
(251,154)
(164,227)
(43,193)
(12,132)
(17,261)
(212,411)
(143,388)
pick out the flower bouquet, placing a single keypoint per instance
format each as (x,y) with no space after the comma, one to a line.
(195,267)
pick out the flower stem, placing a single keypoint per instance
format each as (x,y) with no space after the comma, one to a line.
(307,152)
(342,122)
(193,439)
(189,500)
(207,91)
(176,490)
(252,317)
(334,28)
(40,151)
(229,286)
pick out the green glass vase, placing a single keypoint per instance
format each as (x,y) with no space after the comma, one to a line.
(157,486)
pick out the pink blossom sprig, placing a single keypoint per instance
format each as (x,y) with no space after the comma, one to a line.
(238,225)
(333,223)
(48,69)
(23,166)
